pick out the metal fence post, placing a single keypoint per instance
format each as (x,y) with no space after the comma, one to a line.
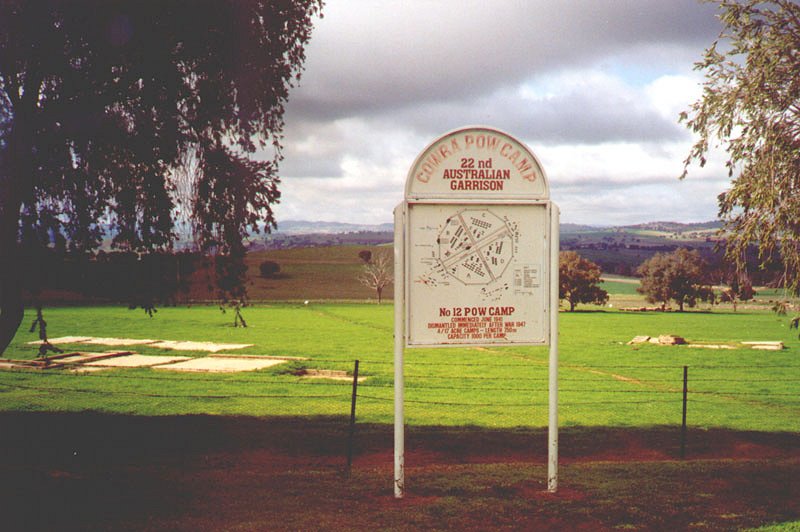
(683,422)
(351,436)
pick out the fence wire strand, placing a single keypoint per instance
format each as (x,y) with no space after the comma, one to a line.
(425,388)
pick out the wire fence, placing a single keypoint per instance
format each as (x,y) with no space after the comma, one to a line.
(763,397)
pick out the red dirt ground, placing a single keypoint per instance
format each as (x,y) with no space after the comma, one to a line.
(94,471)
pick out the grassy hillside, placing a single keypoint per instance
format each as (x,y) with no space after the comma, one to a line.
(331,273)
(622,250)
(306,273)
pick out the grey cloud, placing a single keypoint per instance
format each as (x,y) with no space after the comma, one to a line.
(574,118)
(652,202)
(373,57)
(587,186)
(310,166)
(384,77)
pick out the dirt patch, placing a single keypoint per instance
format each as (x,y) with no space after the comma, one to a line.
(711,346)
(221,365)
(116,341)
(329,374)
(258,357)
(83,358)
(766,345)
(180,345)
(135,361)
(197,346)
(61,360)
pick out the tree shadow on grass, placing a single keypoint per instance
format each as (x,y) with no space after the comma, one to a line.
(92,470)
(100,438)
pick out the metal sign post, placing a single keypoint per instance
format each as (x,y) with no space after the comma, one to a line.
(552,424)
(399,335)
(476,259)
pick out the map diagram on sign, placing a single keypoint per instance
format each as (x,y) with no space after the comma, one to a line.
(473,248)
(476,246)
(477,274)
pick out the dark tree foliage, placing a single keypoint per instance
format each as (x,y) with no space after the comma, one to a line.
(578,280)
(677,276)
(738,291)
(269,268)
(751,107)
(101,100)
(365,255)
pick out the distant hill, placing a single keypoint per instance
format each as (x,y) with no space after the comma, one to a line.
(577,228)
(676,227)
(617,249)
(300,233)
(302,227)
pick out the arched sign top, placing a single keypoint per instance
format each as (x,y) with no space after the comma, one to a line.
(477,162)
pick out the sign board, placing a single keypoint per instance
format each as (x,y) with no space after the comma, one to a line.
(477,234)
(476,259)
(476,162)
(477,274)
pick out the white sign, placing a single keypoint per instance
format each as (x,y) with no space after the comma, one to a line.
(477,241)
(476,260)
(477,162)
(477,274)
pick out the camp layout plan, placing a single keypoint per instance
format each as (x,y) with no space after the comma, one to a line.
(485,262)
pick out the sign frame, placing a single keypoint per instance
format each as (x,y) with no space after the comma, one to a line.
(493,172)
(411,284)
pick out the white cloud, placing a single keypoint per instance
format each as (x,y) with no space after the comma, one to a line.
(594,88)
(672,94)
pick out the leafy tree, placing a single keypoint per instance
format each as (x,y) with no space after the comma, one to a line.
(269,268)
(676,276)
(751,105)
(365,255)
(103,101)
(740,289)
(378,273)
(578,279)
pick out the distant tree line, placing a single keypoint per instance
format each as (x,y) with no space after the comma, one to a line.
(579,280)
(134,279)
(284,241)
(626,259)
(682,277)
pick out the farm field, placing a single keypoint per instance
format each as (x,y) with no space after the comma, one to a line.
(318,273)
(159,450)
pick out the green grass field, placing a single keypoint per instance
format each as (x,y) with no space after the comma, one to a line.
(471,414)
(603,381)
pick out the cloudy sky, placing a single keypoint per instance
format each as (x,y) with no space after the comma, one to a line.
(593,87)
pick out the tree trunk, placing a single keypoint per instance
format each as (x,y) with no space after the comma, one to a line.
(11,308)
(16,168)
(379,290)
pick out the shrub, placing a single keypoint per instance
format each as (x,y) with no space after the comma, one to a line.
(269,269)
(365,255)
